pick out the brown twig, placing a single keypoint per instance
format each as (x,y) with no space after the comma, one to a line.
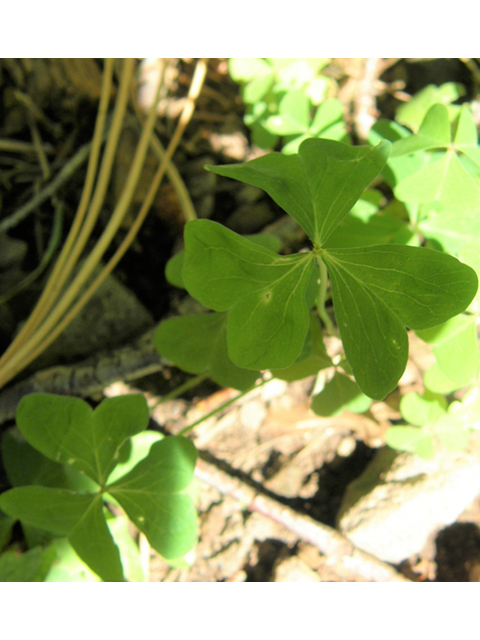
(356,564)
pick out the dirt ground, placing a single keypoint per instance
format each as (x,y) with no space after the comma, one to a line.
(268,441)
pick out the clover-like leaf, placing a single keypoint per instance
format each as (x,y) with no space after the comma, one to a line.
(67,430)
(434,133)
(199,343)
(411,439)
(422,410)
(319,185)
(264,293)
(466,135)
(378,291)
(455,347)
(155,498)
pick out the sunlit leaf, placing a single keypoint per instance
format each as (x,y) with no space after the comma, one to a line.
(67,430)
(154,496)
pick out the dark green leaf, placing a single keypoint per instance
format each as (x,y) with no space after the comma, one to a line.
(199,343)
(378,291)
(56,510)
(264,293)
(93,542)
(318,186)
(31,566)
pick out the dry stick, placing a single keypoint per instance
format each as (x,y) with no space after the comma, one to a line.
(364,99)
(48,191)
(87,377)
(338,549)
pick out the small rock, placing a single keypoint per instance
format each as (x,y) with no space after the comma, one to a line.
(294,570)
(392,508)
(111,317)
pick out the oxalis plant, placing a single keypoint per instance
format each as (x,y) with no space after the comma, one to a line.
(262,311)
(262,301)
(75,462)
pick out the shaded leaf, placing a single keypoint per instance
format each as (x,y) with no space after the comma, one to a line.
(199,343)
(93,542)
(31,566)
(312,359)
(340,394)
(25,465)
(56,510)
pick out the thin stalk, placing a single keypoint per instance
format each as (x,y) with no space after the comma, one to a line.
(60,272)
(186,386)
(47,336)
(195,87)
(322,296)
(53,326)
(223,406)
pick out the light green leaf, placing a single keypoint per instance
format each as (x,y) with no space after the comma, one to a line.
(173,270)
(453,197)
(466,135)
(452,432)
(134,450)
(68,567)
(199,343)
(327,114)
(317,187)
(455,348)
(411,439)
(422,410)
(412,113)
(340,394)
(256,73)
(264,293)
(434,133)
(378,291)
(66,429)
(155,498)
(293,114)
(129,552)
(436,381)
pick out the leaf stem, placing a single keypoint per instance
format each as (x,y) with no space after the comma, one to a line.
(223,406)
(186,386)
(322,312)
